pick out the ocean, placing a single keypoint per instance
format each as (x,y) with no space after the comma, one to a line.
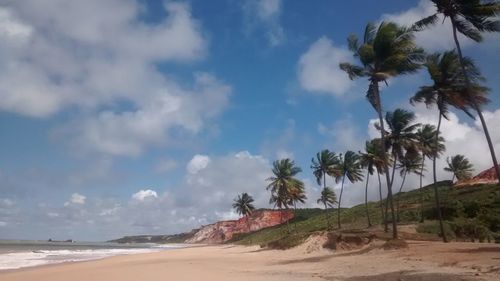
(19,254)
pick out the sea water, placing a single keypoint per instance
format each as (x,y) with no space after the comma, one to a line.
(18,254)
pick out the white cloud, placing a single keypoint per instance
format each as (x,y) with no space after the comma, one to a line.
(438,37)
(197,163)
(2,223)
(77,198)
(130,132)
(318,68)
(143,195)
(463,138)
(265,14)
(80,54)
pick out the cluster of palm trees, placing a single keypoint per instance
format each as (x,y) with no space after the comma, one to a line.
(387,51)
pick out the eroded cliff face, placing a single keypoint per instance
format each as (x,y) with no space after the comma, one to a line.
(223,231)
(488,176)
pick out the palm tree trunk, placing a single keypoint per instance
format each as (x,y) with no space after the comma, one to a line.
(326,209)
(436,192)
(326,217)
(436,143)
(381,202)
(395,156)
(421,190)
(287,223)
(474,103)
(399,195)
(340,200)
(384,156)
(366,199)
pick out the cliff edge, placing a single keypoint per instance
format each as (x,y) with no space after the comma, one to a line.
(223,231)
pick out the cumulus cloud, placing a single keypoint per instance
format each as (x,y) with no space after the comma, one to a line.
(318,68)
(197,163)
(130,132)
(76,199)
(78,55)
(265,15)
(142,195)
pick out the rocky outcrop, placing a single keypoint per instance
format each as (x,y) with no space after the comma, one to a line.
(488,176)
(223,231)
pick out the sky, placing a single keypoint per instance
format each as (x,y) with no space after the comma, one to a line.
(123,117)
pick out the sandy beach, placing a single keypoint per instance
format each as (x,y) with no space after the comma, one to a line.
(422,261)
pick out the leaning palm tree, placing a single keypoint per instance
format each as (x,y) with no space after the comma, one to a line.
(385,52)
(448,89)
(470,18)
(410,163)
(460,166)
(369,160)
(283,183)
(427,147)
(350,167)
(328,199)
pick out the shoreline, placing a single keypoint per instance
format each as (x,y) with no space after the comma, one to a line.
(54,257)
(468,261)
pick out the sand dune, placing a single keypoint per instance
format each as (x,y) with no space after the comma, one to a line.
(422,261)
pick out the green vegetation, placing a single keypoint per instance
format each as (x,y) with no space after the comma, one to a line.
(470,213)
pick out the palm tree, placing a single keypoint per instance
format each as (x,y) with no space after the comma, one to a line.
(470,18)
(385,52)
(448,89)
(350,167)
(297,195)
(326,163)
(244,207)
(283,183)
(401,137)
(460,166)
(410,163)
(328,199)
(428,149)
(243,204)
(370,160)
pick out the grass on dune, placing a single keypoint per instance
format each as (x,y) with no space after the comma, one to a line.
(463,208)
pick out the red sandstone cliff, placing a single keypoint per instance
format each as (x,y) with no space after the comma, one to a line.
(224,230)
(485,177)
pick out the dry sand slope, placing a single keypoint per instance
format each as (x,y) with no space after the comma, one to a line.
(429,261)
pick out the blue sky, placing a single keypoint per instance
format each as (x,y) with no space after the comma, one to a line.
(130,117)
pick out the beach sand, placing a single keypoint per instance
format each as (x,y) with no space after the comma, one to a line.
(422,261)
